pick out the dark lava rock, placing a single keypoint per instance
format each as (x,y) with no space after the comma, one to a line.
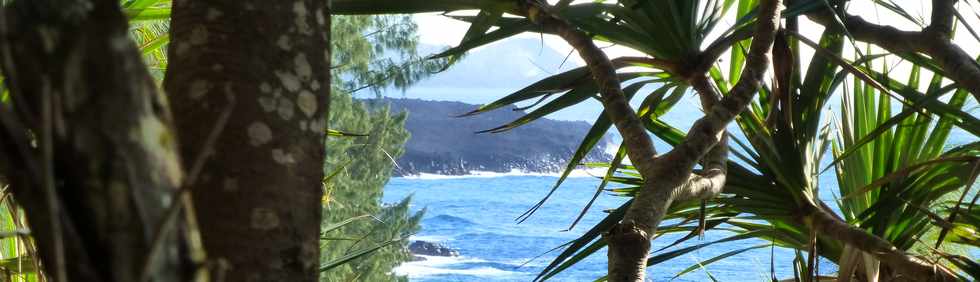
(431,249)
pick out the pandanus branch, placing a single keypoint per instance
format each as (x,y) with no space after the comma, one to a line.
(934,40)
(909,267)
(670,177)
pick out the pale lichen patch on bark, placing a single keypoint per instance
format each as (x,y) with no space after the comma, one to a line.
(286,108)
(166,200)
(288,80)
(281,157)
(265,87)
(303,68)
(268,104)
(306,102)
(264,219)
(283,43)
(317,125)
(315,85)
(299,8)
(259,133)
(321,18)
(302,125)
(154,137)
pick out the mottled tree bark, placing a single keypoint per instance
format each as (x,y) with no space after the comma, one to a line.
(266,64)
(88,146)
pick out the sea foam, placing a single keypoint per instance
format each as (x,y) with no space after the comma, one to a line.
(436,265)
(589,172)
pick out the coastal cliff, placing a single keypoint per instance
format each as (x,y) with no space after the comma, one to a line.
(442,143)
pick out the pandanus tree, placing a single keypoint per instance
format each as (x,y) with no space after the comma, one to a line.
(110,181)
(895,175)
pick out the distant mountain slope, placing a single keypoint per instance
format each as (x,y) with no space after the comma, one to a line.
(490,72)
(511,63)
(443,144)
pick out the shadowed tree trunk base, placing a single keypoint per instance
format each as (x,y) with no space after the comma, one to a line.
(628,249)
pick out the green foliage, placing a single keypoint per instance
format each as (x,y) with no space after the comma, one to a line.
(365,165)
(17,251)
(375,52)
(898,178)
(372,52)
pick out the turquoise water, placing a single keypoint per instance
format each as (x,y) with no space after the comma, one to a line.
(476,216)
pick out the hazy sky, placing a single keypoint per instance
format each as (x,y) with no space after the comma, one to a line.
(435,29)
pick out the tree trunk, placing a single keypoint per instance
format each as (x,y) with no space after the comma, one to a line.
(262,66)
(87,145)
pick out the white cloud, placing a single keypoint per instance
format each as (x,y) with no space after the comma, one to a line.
(440,30)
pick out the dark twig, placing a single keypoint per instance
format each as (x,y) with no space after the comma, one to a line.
(47,172)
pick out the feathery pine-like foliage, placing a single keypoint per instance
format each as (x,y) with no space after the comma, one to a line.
(373,52)
(359,168)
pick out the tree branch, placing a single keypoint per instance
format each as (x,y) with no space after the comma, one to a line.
(670,177)
(367,7)
(640,147)
(912,268)
(710,182)
(674,168)
(933,41)
(942,17)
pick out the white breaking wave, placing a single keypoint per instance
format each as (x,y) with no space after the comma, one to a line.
(588,172)
(430,238)
(611,148)
(435,265)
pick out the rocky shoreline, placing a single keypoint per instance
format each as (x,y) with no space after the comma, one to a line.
(442,143)
(424,248)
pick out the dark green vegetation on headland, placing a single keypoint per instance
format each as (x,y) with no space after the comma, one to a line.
(442,143)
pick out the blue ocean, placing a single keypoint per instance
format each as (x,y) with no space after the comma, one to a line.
(475,215)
